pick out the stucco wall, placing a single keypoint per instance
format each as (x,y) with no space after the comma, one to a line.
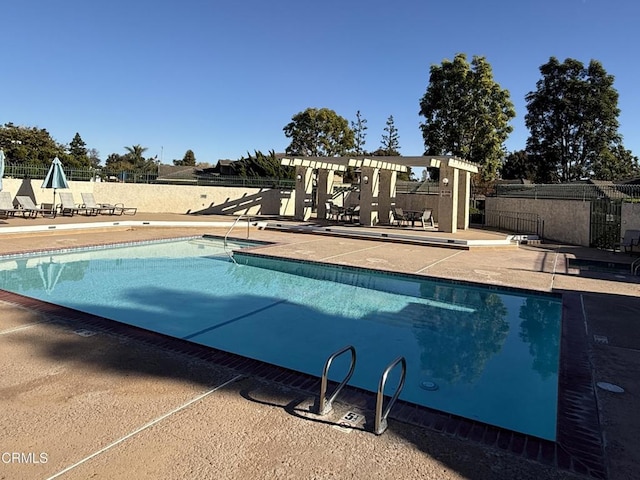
(566,221)
(155,198)
(630,217)
(412,201)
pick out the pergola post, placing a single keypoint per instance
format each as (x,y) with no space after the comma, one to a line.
(386,195)
(304,190)
(464,194)
(448,204)
(325,191)
(369,191)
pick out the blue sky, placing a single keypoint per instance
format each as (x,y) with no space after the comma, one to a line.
(223,78)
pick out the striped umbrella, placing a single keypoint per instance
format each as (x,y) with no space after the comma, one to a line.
(55,178)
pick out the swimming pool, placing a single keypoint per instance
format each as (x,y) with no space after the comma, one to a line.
(493,354)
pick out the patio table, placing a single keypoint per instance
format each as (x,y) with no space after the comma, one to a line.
(413,215)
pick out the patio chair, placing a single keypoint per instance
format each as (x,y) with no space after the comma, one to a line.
(6,205)
(328,212)
(427,217)
(68,206)
(336,212)
(89,202)
(399,216)
(630,239)
(352,213)
(28,208)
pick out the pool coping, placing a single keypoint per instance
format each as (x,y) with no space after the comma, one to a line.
(579,444)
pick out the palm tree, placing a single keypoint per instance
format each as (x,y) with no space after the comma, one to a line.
(135,155)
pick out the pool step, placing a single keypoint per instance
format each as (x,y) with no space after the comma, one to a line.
(371,234)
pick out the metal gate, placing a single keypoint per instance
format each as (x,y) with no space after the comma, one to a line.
(605,223)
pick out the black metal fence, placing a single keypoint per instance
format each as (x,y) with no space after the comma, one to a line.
(122,176)
(237,181)
(584,191)
(81,174)
(417,187)
(516,222)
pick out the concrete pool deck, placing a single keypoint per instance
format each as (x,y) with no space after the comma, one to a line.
(126,407)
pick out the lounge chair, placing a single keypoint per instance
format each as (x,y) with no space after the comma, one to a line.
(89,202)
(111,208)
(28,208)
(630,239)
(6,205)
(68,206)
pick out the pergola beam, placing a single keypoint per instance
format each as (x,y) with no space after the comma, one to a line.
(340,164)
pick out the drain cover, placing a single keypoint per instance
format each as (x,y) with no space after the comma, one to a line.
(431,386)
(610,387)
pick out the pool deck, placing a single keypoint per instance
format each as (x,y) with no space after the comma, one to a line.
(125,406)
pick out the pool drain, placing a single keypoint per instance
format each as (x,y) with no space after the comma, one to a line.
(430,386)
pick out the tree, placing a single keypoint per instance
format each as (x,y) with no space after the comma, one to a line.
(116,162)
(77,155)
(467,113)
(29,145)
(518,165)
(189,159)
(616,164)
(390,143)
(133,160)
(94,157)
(572,118)
(135,155)
(319,133)
(359,128)
(261,165)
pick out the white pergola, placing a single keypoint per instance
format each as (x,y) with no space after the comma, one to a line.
(378,177)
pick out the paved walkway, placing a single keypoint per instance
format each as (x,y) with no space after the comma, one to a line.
(127,407)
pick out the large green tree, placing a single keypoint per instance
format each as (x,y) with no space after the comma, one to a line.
(616,163)
(467,113)
(572,117)
(30,145)
(517,165)
(319,133)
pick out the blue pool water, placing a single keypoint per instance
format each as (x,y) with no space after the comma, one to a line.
(493,354)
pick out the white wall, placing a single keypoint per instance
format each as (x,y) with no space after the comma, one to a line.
(158,198)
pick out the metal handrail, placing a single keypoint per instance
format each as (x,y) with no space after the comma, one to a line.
(381,418)
(230,254)
(323,404)
(634,267)
(233,225)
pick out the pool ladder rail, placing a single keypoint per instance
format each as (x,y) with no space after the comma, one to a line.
(228,252)
(323,404)
(635,266)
